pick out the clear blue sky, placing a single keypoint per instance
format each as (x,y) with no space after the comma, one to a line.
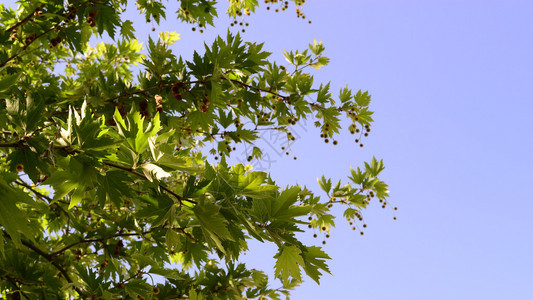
(452,86)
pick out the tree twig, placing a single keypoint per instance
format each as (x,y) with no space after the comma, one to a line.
(26,19)
(49,258)
(18,290)
(256,88)
(180,198)
(96,240)
(40,195)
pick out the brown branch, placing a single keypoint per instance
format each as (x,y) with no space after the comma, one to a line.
(57,25)
(26,19)
(42,196)
(67,148)
(137,274)
(49,258)
(123,95)
(160,86)
(182,229)
(10,145)
(180,198)
(83,241)
(26,46)
(18,291)
(256,88)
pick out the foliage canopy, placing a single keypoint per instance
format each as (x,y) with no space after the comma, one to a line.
(103,182)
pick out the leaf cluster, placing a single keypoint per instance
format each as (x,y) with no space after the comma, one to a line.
(105,179)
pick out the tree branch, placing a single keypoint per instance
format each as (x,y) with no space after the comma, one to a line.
(26,19)
(96,240)
(49,258)
(17,291)
(12,145)
(150,89)
(38,194)
(180,198)
(256,88)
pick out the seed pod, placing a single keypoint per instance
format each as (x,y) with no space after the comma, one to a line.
(145,114)
(176,90)
(30,38)
(143,105)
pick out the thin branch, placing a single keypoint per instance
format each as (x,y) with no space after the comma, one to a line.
(180,198)
(182,229)
(257,88)
(26,19)
(42,196)
(49,258)
(137,274)
(18,290)
(28,44)
(123,95)
(10,145)
(96,240)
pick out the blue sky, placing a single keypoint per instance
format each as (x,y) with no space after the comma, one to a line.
(452,87)
(452,84)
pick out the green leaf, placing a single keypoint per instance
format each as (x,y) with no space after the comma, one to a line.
(362,99)
(288,264)
(321,61)
(212,222)
(62,182)
(76,197)
(8,81)
(315,260)
(324,184)
(287,197)
(169,37)
(345,94)
(127,30)
(138,287)
(357,176)
(12,218)
(323,95)
(193,295)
